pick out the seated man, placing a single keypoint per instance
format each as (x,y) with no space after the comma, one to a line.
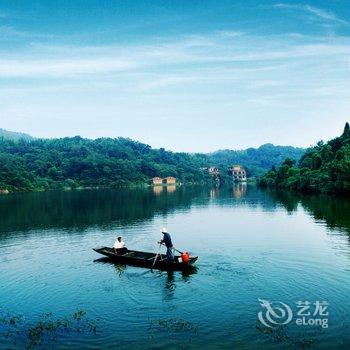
(119,246)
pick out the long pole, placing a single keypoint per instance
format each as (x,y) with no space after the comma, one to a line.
(155,259)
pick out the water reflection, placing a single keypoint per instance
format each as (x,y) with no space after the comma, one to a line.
(80,209)
(171,188)
(214,192)
(170,281)
(239,190)
(120,269)
(157,190)
(77,210)
(258,256)
(333,210)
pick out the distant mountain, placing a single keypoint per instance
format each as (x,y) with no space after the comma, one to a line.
(77,162)
(256,160)
(14,136)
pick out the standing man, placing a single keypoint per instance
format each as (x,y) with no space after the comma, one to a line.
(169,245)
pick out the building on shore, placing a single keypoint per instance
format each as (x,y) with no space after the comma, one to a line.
(214,171)
(170,180)
(238,173)
(157,181)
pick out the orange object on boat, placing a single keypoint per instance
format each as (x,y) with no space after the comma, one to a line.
(185,257)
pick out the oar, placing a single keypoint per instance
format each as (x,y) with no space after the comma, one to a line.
(175,249)
(155,259)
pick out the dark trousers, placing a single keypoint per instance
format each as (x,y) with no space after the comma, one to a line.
(169,254)
(121,251)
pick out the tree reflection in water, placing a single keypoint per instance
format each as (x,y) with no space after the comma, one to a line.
(333,210)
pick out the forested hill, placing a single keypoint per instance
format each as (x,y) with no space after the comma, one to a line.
(77,162)
(15,136)
(323,168)
(256,160)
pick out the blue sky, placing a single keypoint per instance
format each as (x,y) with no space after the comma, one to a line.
(184,75)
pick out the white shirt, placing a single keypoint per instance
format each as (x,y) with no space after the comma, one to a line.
(118,245)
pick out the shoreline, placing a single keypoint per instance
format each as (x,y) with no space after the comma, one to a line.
(250,181)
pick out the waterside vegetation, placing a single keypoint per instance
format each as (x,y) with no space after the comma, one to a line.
(66,163)
(324,168)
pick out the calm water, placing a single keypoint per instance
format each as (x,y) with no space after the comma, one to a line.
(251,245)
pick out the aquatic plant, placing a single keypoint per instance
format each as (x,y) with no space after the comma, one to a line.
(175,325)
(280,335)
(19,331)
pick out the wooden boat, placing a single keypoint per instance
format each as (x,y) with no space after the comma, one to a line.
(144,259)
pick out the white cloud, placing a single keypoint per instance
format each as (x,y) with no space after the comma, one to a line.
(50,68)
(230,33)
(214,66)
(11,33)
(169,57)
(320,13)
(165,81)
(323,14)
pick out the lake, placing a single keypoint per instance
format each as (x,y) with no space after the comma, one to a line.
(291,252)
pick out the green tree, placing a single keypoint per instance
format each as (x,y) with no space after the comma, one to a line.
(323,168)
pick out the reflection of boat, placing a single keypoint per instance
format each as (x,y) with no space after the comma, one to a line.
(144,259)
(121,268)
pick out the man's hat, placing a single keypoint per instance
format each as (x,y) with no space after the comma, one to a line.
(164,230)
